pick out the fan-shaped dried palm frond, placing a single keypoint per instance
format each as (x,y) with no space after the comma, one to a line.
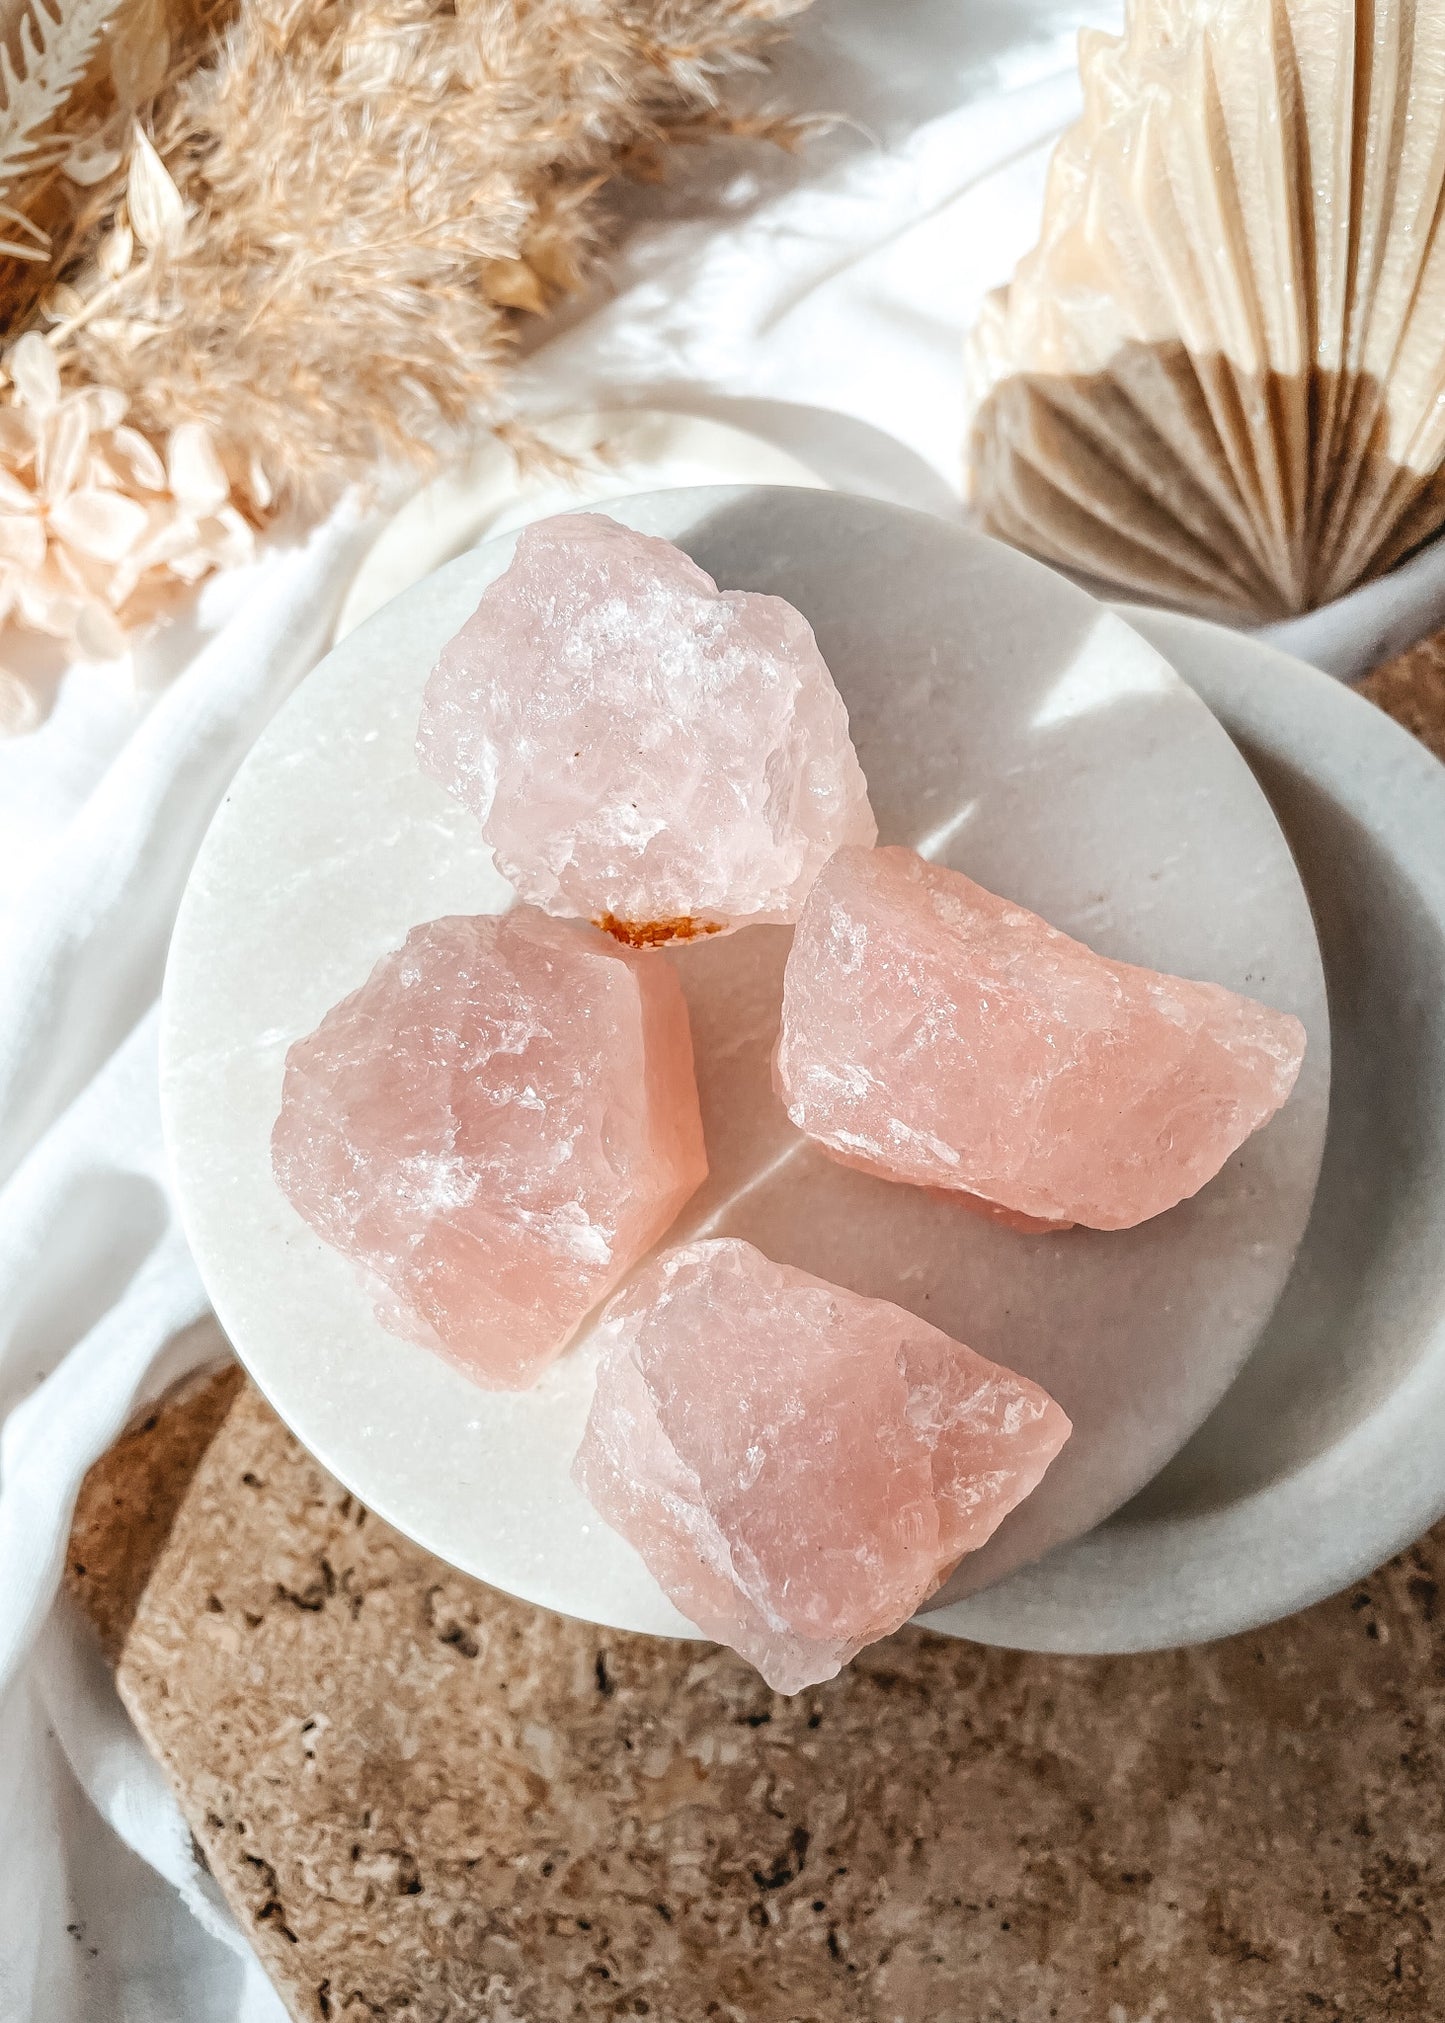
(1219,379)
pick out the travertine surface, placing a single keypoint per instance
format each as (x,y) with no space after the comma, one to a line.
(641,748)
(799,1466)
(1411,688)
(432,1803)
(131,1498)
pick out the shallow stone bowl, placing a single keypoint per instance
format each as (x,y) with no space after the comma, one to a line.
(1327,1454)
(1009,725)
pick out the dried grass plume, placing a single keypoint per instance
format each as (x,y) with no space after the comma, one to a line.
(369,194)
(303,233)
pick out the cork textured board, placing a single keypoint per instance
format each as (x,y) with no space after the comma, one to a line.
(428,1801)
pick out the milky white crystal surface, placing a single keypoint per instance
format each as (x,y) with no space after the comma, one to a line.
(798,1465)
(933,1032)
(643,749)
(495,1127)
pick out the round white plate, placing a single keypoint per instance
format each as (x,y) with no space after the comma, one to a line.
(591,456)
(1008,725)
(1324,1457)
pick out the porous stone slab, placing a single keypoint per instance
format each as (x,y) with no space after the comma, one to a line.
(426,1800)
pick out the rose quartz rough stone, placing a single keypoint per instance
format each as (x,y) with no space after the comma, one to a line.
(643,749)
(799,1466)
(935,1033)
(496,1126)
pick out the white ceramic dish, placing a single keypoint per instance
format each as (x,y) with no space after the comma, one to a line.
(1006,723)
(1328,1453)
(596,455)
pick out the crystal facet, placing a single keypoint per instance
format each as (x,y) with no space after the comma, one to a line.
(495,1126)
(642,749)
(798,1465)
(935,1033)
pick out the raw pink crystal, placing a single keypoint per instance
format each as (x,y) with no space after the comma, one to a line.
(643,749)
(496,1126)
(933,1032)
(799,1466)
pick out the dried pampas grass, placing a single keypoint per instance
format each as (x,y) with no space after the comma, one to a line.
(304,231)
(371,190)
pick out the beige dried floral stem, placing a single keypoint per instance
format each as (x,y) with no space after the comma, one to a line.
(289,240)
(97,529)
(67,191)
(377,191)
(51,49)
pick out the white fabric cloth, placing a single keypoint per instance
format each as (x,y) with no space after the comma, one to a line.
(100,1308)
(817,300)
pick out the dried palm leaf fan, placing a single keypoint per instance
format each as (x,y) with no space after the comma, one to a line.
(1218,380)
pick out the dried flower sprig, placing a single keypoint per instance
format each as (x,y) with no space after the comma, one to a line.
(73,165)
(373,191)
(301,234)
(97,529)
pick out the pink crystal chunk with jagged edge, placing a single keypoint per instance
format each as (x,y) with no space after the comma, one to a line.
(495,1127)
(799,1466)
(935,1033)
(643,749)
